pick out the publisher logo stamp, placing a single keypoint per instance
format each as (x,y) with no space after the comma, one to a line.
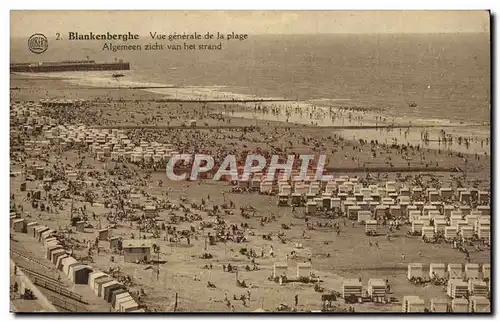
(38,43)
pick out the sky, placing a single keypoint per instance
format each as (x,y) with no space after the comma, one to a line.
(26,23)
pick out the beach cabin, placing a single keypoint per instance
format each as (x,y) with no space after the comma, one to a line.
(428,232)
(481,222)
(342,196)
(129,306)
(46,234)
(30,228)
(351,287)
(283,200)
(380,210)
(336,203)
(39,230)
(460,305)
(412,207)
(390,186)
(472,271)
(465,197)
(388,202)
(455,271)
(415,270)
(80,226)
(486,272)
(427,208)
(115,242)
(93,276)
(437,270)
(416,226)
(439,305)
(403,204)
(52,248)
(460,223)
(56,254)
(126,304)
(149,211)
(439,225)
(474,193)
(66,263)
(19,225)
(419,204)
(266,187)
(479,304)
(456,214)
(364,205)
(450,232)
(413,304)
(485,210)
(331,189)
(285,189)
(416,193)
(414,215)
(352,212)
(59,261)
(326,201)
(457,288)
(433,196)
(447,209)
(136,250)
(478,288)
(364,216)
(375,196)
(304,270)
(123,296)
(371,226)
(404,192)
(467,232)
(108,288)
(483,197)
(376,289)
(79,274)
(104,234)
(311,207)
(446,193)
(472,219)
(296,200)
(280,269)
(431,214)
(366,192)
(99,282)
(466,210)
(314,189)
(395,211)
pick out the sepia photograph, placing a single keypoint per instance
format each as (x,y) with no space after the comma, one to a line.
(250,161)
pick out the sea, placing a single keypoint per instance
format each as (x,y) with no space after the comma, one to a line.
(427,78)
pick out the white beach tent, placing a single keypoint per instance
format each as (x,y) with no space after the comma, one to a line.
(128,306)
(66,264)
(59,261)
(122,297)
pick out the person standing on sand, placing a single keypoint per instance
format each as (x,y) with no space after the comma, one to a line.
(296,299)
(271,251)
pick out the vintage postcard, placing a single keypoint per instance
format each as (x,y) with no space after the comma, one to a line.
(250,161)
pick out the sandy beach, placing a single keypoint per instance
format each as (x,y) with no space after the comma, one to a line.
(184,281)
